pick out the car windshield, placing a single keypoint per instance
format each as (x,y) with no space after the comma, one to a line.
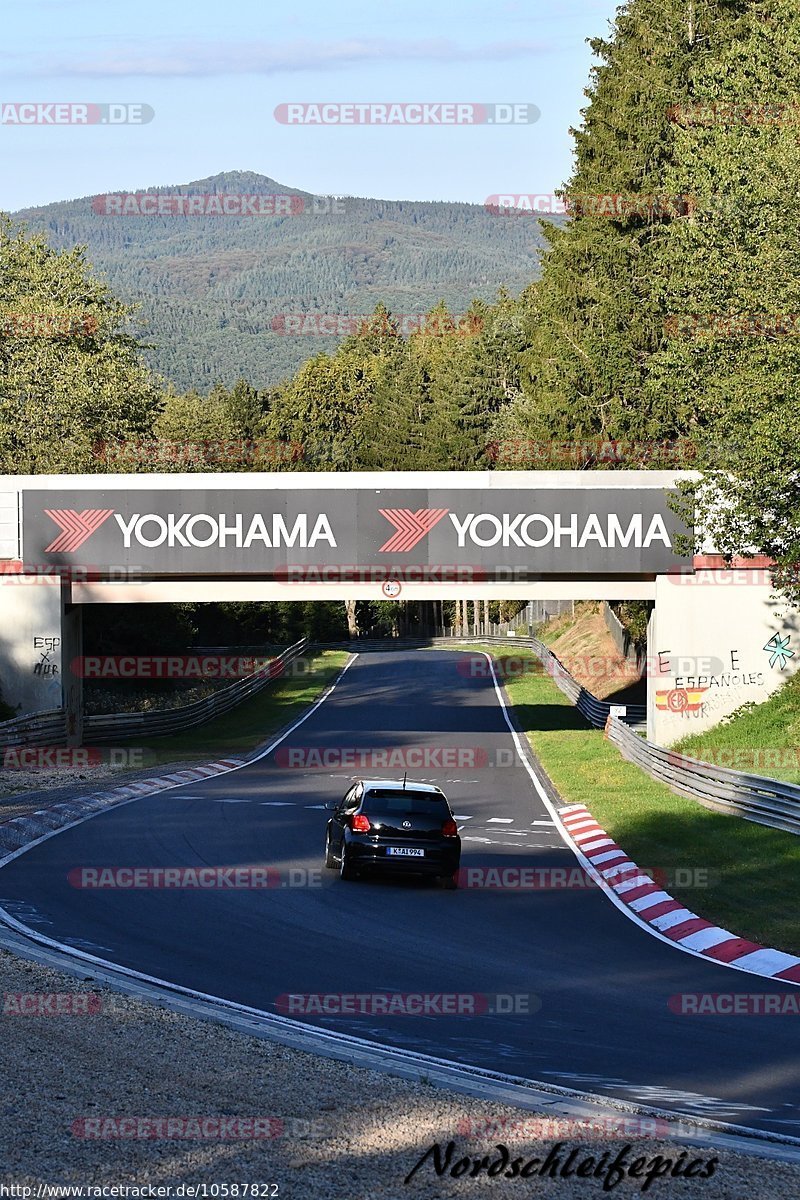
(396,800)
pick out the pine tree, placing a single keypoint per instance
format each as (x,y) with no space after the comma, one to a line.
(732,281)
(594,319)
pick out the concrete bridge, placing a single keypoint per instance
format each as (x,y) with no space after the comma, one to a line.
(717,639)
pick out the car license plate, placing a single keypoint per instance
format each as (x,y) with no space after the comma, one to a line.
(405,852)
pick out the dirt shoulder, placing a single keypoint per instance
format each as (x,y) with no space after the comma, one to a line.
(335,1131)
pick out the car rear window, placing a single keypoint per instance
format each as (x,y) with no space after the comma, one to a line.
(386,801)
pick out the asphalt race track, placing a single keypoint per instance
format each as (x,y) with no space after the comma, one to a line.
(602,1021)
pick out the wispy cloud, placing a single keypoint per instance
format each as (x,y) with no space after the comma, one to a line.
(198,59)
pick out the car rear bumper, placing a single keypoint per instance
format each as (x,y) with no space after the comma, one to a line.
(437,860)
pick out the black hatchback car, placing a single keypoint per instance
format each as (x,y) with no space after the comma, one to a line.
(398,827)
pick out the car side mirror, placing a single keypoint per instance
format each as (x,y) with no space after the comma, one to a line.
(331,805)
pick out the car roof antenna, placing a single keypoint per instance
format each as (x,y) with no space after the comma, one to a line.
(405,773)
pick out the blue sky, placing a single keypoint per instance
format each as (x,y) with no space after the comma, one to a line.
(214,73)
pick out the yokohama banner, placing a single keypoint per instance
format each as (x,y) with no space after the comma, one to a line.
(499,533)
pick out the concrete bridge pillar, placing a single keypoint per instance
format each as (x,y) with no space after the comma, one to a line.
(40,636)
(717,640)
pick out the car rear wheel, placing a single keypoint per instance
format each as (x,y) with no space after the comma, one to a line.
(346,871)
(330,861)
(449,883)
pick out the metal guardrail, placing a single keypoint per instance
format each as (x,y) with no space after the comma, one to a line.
(49,728)
(754,797)
(34,729)
(595,711)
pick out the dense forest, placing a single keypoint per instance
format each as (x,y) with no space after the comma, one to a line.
(214,292)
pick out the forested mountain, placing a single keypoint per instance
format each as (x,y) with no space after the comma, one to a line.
(213,288)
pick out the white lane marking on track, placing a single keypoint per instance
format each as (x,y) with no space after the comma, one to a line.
(500,821)
(277,803)
(322,806)
(528,845)
(552,824)
(463,816)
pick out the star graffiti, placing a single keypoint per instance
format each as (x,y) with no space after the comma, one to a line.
(778,650)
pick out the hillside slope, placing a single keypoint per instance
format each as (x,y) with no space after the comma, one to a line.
(585,647)
(759,739)
(213,287)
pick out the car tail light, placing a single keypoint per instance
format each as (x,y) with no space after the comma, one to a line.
(450,829)
(360,823)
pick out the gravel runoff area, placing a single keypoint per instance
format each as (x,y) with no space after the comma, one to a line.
(24,792)
(336,1131)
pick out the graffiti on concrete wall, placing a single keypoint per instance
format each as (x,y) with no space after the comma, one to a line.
(701,684)
(46,646)
(683,701)
(778,650)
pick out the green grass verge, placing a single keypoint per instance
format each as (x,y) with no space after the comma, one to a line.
(752,873)
(242,729)
(763,739)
